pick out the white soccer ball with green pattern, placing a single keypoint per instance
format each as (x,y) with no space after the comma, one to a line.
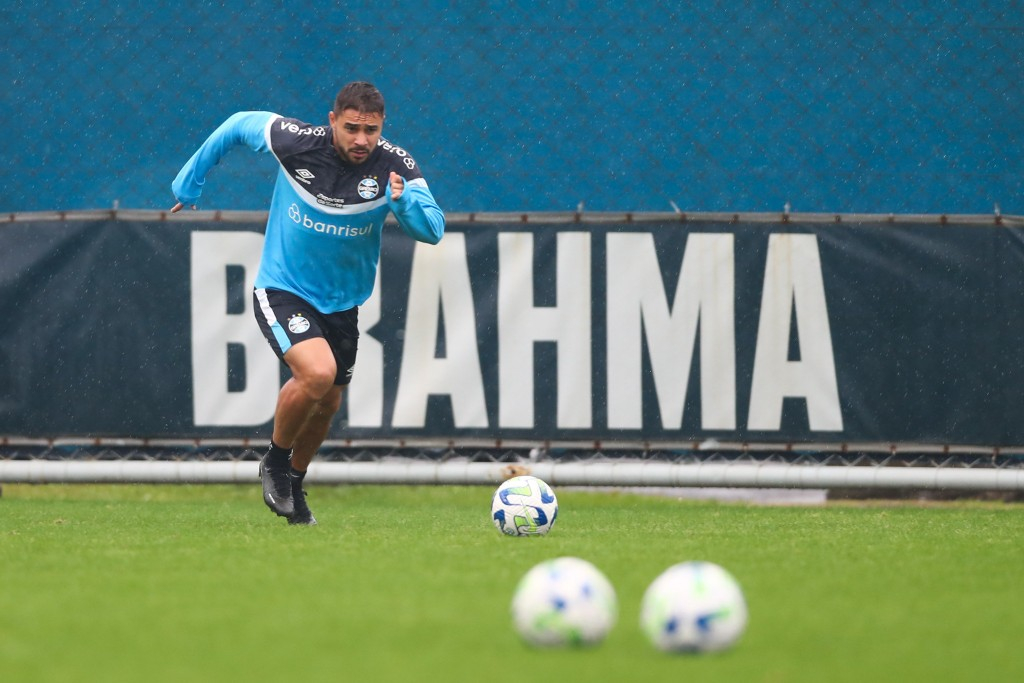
(564,602)
(694,607)
(524,506)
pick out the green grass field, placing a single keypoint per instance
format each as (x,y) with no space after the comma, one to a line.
(184,583)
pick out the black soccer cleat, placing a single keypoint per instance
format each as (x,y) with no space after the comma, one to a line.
(277,488)
(302,514)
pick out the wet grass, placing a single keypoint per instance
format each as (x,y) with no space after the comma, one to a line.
(175,583)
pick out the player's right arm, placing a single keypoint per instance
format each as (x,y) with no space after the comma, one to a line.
(244,128)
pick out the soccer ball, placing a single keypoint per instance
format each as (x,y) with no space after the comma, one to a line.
(693,607)
(524,506)
(564,602)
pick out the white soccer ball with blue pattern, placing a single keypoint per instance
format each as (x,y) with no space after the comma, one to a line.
(524,506)
(564,602)
(694,607)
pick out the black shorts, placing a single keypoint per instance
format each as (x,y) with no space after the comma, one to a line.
(286,320)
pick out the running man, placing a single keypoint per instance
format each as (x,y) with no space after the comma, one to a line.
(335,186)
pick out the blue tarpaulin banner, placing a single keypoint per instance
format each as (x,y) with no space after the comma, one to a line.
(866,330)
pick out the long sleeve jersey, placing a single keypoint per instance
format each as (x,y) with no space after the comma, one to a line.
(326,215)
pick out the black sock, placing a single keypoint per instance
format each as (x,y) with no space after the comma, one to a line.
(296,477)
(277,456)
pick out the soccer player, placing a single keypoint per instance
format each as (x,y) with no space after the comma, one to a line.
(335,186)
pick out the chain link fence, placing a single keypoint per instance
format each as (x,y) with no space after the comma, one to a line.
(621,106)
(801,475)
(902,456)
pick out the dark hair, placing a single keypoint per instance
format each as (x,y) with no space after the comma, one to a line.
(361,96)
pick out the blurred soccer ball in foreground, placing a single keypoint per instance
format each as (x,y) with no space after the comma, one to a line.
(524,506)
(694,607)
(566,601)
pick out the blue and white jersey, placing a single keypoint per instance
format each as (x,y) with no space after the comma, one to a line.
(326,215)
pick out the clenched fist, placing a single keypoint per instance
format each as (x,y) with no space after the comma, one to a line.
(397,186)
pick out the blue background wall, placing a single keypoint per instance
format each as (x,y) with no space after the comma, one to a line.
(626,106)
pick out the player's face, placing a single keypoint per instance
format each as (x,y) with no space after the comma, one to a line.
(355,134)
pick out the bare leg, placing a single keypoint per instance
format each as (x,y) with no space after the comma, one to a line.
(314,431)
(311,390)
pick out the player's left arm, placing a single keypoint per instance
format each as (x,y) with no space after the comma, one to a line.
(415,209)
